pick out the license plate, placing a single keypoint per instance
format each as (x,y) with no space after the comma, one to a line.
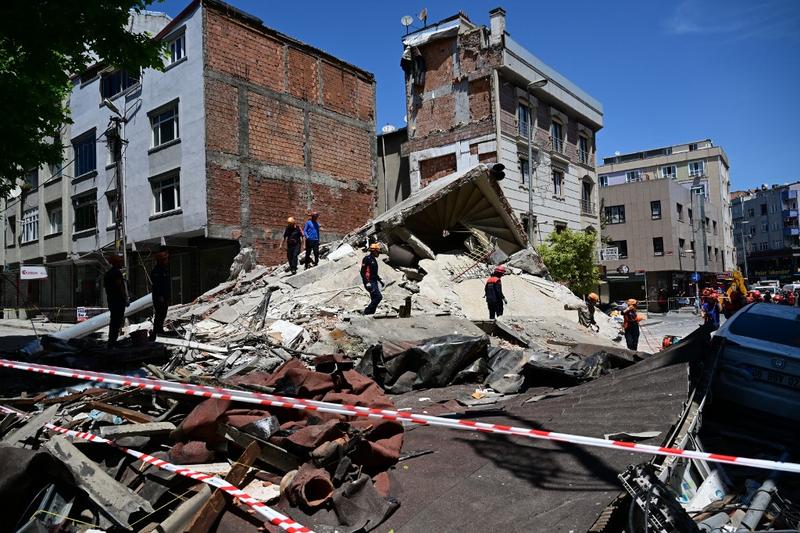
(776,378)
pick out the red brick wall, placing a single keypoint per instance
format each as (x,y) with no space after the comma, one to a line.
(437,114)
(309,121)
(436,167)
(480,99)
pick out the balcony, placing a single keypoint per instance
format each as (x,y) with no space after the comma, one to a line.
(588,207)
(789,195)
(791,231)
(557,144)
(789,213)
(583,156)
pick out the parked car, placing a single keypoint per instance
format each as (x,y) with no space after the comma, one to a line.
(791,286)
(759,363)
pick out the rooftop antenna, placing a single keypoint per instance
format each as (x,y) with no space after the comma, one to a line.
(407,21)
(423,17)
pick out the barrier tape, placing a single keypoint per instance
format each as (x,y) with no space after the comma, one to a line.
(271,515)
(399,416)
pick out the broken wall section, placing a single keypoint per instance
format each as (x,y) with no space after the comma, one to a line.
(289,128)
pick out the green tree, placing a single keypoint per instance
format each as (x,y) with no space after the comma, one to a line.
(42,44)
(569,256)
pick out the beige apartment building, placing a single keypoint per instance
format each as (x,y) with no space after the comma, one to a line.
(667,213)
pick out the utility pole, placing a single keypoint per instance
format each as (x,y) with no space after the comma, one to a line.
(120,238)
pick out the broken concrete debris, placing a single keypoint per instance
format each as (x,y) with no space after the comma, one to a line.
(429,347)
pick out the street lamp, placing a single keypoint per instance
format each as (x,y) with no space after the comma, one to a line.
(531,167)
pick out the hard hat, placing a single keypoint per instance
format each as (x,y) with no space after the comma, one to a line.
(594,297)
(756,293)
(314,214)
(499,269)
(290,220)
(375,247)
(632,301)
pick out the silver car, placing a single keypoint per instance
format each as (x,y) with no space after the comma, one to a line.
(759,365)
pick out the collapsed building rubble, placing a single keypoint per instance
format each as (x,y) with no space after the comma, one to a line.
(429,348)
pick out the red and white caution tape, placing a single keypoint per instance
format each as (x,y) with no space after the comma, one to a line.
(387,414)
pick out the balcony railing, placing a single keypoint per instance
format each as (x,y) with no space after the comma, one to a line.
(557,144)
(588,207)
(583,156)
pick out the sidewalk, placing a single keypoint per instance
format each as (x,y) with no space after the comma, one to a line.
(39,327)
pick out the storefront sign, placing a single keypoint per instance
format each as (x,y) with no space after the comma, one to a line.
(32,272)
(81,314)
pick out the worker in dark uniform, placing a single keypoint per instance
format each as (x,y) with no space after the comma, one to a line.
(161,280)
(117,297)
(293,240)
(371,279)
(311,231)
(630,324)
(493,292)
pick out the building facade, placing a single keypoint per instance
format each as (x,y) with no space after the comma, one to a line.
(767,232)
(665,214)
(243,128)
(469,101)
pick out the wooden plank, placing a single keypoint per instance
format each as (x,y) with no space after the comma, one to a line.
(32,427)
(210,511)
(124,412)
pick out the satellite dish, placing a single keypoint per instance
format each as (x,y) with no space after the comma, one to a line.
(423,15)
(388,128)
(407,21)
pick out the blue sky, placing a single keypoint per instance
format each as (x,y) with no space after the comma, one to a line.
(666,71)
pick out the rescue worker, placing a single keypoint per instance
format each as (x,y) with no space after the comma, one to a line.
(493,292)
(791,298)
(710,309)
(117,296)
(293,240)
(630,323)
(161,279)
(371,278)
(591,303)
(768,297)
(311,231)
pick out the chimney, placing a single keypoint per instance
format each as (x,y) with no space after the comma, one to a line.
(497,19)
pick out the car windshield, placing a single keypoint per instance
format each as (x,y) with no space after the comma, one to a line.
(769,327)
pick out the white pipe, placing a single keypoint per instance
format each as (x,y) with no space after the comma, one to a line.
(98,322)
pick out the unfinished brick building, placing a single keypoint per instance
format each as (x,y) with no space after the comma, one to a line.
(467,101)
(288,128)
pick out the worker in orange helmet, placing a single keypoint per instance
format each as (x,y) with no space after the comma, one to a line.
(371,279)
(293,240)
(630,324)
(493,292)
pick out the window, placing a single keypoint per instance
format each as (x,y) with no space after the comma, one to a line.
(11,232)
(560,226)
(32,178)
(773,226)
(681,246)
(558,183)
(700,189)
(764,227)
(633,175)
(763,209)
(164,125)
(615,214)
(603,181)
(30,225)
(557,136)
(751,212)
(166,194)
(680,211)
(111,198)
(85,154)
(524,170)
(622,248)
(56,169)
(692,147)
(177,49)
(54,218)
(708,224)
(583,149)
(763,246)
(658,246)
(524,119)
(773,208)
(116,82)
(85,212)
(669,171)
(752,231)
(777,245)
(655,209)
(714,225)
(716,254)
(697,168)
(691,217)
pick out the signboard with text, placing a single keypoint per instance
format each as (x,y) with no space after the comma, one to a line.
(32,272)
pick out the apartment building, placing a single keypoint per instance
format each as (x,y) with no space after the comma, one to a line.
(665,214)
(469,100)
(767,233)
(244,127)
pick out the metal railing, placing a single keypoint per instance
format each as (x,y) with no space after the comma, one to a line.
(557,144)
(583,156)
(588,207)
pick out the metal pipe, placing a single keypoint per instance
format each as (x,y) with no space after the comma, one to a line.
(714,522)
(760,502)
(95,323)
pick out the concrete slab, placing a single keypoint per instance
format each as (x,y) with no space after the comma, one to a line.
(129,430)
(225,314)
